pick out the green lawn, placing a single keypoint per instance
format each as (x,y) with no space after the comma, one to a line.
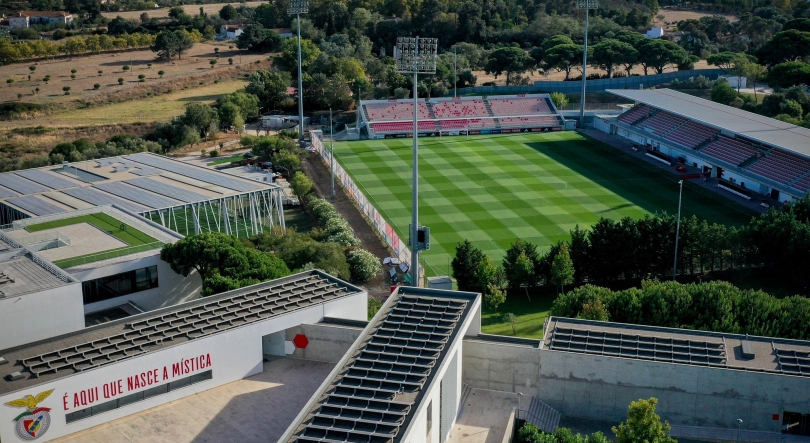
(537,187)
(136,240)
(531,315)
(226,160)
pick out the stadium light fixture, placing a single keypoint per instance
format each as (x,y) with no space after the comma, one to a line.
(677,231)
(587,5)
(332,150)
(416,56)
(296,8)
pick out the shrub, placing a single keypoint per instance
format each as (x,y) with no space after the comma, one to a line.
(374,306)
(214,153)
(363,265)
(10,81)
(120,81)
(160,73)
(125,67)
(67,90)
(141,78)
(148,65)
(73,76)
(96,86)
(100,72)
(230,61)
(73,71)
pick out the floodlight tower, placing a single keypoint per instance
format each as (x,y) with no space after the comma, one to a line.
(587,5)
(416,56)
(298,7)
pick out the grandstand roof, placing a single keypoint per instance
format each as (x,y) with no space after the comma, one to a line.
(680,346)
(746,124)
(375,391)
(90,348)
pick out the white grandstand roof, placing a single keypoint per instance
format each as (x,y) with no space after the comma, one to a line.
(746,124)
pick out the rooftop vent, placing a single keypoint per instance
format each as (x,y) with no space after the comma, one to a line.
(747,349)
(5,278)
(14,376)
(3,361)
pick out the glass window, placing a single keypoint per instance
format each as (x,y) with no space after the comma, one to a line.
(118,285)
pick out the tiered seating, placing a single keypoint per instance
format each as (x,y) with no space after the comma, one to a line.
(691,134)
(539,120)
(405,126)
(662,122)
(460,108)
(518,106)
(729,150)
(395,111)
(803,184)
(635,114)
(467,123)
(781,166)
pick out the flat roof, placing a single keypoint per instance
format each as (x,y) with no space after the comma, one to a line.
(79,236)
(746,124)
(679,346)
(24,272)
(376,390)
(109,343)
(138,182)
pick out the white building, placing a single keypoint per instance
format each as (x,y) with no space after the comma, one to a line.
(654,33)
(24,19)
(230,32)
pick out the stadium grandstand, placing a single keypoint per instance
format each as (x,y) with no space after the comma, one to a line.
(749,154)
(460,115)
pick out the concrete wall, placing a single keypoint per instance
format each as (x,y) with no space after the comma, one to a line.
(234,354)
(602,387)
(40,315)
(326,342)
(172,288)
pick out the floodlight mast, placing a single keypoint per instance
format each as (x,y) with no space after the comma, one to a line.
(416,56)
(298,7)
(587,5)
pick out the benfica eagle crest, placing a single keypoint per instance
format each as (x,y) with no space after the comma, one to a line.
(34,422)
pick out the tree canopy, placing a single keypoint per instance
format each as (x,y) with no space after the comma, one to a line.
(510,61)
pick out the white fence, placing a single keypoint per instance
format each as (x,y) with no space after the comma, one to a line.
(385,229)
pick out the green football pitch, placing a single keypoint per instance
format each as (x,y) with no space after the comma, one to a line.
(537,187)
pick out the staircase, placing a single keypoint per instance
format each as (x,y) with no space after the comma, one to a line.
(642,119)
(705,143)
(495,122)
(753,159)
(546,418)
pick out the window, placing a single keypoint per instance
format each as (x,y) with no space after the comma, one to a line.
(138,396)
(429,421)
(117,285)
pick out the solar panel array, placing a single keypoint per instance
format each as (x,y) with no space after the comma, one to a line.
(167,190)
(188,323)
(137,195)
(793,361)
(663,349)
(373,394)
(201,174)
(6,192)
(99,198)
(45,178)
(21,185)
(35,205)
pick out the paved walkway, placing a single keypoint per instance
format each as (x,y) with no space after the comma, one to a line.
(484,417)
(256,409)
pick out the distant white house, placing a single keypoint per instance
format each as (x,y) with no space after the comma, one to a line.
(654,33)
(284,32)
(230,32)
(25,19)
(736,81)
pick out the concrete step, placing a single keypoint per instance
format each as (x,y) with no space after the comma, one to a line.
(546,418)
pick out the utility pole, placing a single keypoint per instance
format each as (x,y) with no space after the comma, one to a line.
(677,232)
(416,56)
(298,7)
(587,5)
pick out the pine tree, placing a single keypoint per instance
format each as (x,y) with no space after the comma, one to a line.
(562,268)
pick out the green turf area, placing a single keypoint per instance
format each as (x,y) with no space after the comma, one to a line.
(537,187)
(226,160)
(530,316)
(136,240)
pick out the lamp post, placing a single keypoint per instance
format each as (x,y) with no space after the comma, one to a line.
(416,56)
(298,7)
(739,425)
(332,150)
(587,5)
(455,76)
(677,231)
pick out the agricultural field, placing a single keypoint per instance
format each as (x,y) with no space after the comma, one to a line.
(177,74)
(537,187)
(193,9)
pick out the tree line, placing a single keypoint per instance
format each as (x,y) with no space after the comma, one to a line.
(630,249)
(11,52)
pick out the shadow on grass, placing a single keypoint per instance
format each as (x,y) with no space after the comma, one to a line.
(201,98)
(642,184)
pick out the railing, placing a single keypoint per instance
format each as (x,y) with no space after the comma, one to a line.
(120,252)
(592,107)
(44,237)
(386,230)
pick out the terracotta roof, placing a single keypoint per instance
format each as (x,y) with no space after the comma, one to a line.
(44,14)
